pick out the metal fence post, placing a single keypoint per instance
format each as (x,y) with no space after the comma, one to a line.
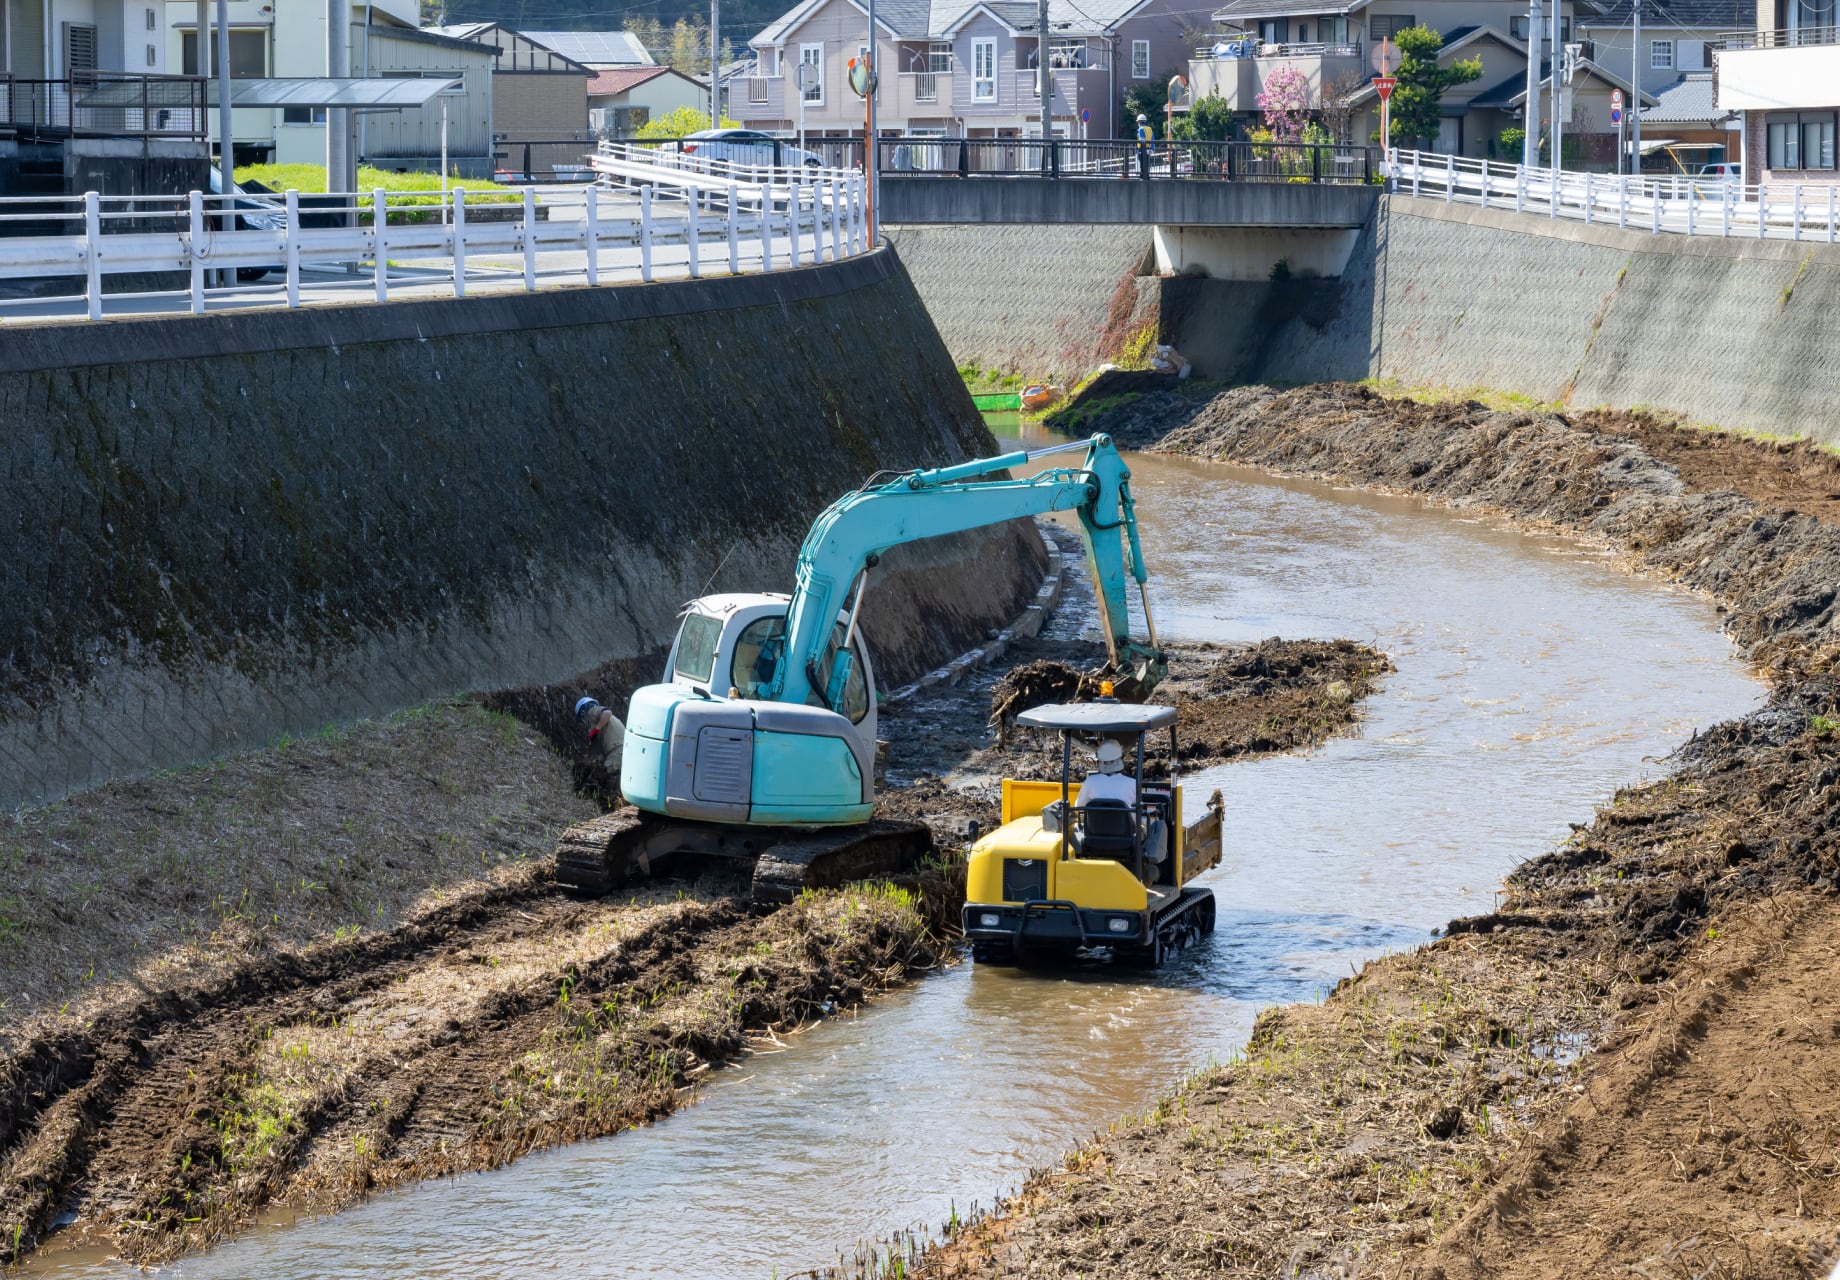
(92,251)
(196,201)
(592,232)
(380,259)
(459,202)
(645,232)
(794,211)
(1520,188)
(529,231)
(1622,205)
(836,209)
(293,247)
(1416,166)
(1795,218)
(766,227)
(1830,215)
(1763,208)
(1590,198)
(734,233)
(964,158)
(1654,210)
(1450,178)
(693,231)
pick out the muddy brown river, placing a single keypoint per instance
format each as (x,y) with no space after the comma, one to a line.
(1533,678)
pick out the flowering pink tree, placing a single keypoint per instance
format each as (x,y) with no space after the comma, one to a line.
(1285,100)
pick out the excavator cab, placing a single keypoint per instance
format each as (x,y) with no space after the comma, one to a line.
(1099,868)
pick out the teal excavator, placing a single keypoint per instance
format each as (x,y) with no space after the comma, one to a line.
(759,742)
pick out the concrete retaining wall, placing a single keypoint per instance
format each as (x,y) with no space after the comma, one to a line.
(223,529)
(1734,333)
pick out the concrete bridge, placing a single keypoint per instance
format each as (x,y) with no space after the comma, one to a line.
(1224,229)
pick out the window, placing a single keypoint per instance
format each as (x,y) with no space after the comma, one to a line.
(152,22)
(1273,31)
(303,115)
(757,652)
(697,640)
(1661,55)
(79,47)
(854,704)
(1334,30)
(984,70)
(1303,33)
(1066,53)
(939,56)
(248,54)
(1388,25)
(1801,141)
(1517,27)
(153,55)
(812,55)
(1140,59)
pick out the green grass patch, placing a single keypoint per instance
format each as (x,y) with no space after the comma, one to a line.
(310,179)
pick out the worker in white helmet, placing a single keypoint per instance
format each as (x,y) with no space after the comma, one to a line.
(1145,136)
(1109,781)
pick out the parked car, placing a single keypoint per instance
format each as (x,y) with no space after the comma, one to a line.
(1724,169)
(253,214)
(747,146)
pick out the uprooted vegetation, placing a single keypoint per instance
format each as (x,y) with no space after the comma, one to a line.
(1628,1065)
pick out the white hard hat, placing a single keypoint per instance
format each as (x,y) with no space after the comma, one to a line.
(1109,751)
(1143,119)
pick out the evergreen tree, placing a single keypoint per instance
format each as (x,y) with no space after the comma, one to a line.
(1422,83)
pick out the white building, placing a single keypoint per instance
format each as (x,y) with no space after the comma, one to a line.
(1784,76)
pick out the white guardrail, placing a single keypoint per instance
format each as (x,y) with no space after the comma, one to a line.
(1678,204)
(649,213)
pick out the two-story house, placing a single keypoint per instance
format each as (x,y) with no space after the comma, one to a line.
(962,67)
(1783,75)
(286,39)
(1673,62)
(1332,46)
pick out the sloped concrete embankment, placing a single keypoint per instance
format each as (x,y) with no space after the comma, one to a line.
(229,528)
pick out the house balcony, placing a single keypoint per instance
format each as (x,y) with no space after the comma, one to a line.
(105,104)
(1778,70)
(921,93)
(1240,80)
(761,98)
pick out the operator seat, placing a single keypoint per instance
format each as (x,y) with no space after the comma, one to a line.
(1108,829)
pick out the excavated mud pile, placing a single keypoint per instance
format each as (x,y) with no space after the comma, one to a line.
(1232,702)
(1631,1065)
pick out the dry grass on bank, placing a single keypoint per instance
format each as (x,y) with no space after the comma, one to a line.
(204,868)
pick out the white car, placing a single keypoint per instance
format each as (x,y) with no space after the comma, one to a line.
(749,147)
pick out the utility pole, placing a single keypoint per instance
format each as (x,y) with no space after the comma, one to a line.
(1635,97)
(226,139)
(869,164)
(715,64)
(1045,80)
(338,66)
(1530,145)
(1558,85)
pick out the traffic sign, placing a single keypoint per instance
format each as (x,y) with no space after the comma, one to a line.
(1085,116)
(1616,114)
(1386,57)
(1383,85)
(1616,99)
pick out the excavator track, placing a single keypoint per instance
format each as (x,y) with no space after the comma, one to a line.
(830,857)
(602,853)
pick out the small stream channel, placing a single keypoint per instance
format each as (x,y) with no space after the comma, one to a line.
(1534,678)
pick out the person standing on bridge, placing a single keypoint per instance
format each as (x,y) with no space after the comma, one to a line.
(1145,136)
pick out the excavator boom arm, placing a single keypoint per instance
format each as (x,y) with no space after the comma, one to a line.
(854,531)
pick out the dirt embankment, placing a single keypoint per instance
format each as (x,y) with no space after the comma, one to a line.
(1631,1066)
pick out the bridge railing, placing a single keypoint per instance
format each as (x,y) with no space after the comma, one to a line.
(1123,158)
(1679,204)
(641,219)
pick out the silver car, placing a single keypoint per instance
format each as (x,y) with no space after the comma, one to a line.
(747,147)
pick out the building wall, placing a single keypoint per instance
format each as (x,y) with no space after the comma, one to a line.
(531,104)
(259,524)
(1614,50)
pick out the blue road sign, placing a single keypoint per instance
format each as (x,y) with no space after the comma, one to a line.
(1085,116)
(1616,115)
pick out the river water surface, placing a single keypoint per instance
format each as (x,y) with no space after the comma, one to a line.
(1533,678)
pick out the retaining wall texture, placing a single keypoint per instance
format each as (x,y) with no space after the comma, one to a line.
(223,529)
(1037,300)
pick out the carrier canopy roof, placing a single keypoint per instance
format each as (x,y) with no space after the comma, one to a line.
(1097,717)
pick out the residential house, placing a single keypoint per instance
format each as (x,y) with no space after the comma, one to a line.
(962,67)
(1673,62)
(622,99)
(1588,135)
(89,101)
(1685,130)
(539,104)
(1332,45)
(1783,75)
(597,50)
(287,39)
